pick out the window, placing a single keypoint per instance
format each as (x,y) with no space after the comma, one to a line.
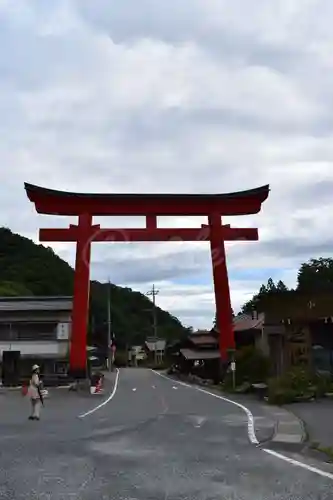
(28,331)
(60,367)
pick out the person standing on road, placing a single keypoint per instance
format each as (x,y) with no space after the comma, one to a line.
(35,394)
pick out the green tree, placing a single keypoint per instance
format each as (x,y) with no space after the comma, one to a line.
(268,289)
(281,287)
(13,289)
(263,290)
(316,275)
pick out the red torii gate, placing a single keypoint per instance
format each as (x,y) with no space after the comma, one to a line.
(85,206)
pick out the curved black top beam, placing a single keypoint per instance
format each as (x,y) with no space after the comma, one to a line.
(34,191)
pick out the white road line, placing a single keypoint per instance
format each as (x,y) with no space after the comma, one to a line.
(299,464)
(106,401)
(250,420)
(174,387)
(251,431)
(134,389)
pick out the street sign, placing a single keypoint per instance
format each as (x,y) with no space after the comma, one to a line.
(233,366)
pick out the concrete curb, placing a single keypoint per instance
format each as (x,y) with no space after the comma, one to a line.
(289,428)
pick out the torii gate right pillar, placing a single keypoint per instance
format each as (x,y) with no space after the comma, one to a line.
(221,287)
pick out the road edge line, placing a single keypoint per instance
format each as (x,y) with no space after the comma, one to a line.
(250,419)
(297,463)
(106,401)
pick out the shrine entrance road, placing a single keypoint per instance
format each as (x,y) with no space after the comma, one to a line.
(154,440)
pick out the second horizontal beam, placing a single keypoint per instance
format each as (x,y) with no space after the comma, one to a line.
(156,234)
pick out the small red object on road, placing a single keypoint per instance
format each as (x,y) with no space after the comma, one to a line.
(98,387)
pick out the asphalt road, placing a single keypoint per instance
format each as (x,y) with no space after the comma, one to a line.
(154,440)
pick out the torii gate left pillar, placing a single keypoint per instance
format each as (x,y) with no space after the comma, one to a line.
(78,355)
(86,205)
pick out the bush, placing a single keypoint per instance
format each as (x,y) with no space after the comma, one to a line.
(299,379)
(279,395)
(244,388)
(298,384)
(280,391)
(251,367)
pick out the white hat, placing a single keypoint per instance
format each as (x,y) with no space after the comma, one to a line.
(35,367)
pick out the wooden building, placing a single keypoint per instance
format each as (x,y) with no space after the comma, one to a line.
(198,354)
(34,330)
(299,329)
(292,329)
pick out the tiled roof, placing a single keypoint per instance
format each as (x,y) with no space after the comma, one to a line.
(244,322)
(31,298)
(203,339)
(247,322)
(201,332)
(192,354)
(12,304)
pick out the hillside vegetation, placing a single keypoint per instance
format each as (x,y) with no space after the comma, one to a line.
(30,269)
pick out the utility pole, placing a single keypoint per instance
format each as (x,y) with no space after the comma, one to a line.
(109,328)
(153,292)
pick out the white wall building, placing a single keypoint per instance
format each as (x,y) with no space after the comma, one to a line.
(39,328)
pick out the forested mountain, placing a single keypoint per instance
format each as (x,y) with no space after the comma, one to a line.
(30,269)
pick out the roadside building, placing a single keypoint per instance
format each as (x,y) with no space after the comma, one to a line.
(153,345)
(292,329)
(137,355)
(299,329)
(198,354)
(34,330)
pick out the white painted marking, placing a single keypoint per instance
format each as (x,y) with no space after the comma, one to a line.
(251,431)
(106,401)
(250,420)
(198,421)
(299,464)
(134,389)
(174,387)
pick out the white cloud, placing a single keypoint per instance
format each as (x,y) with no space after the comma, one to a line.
(194,96)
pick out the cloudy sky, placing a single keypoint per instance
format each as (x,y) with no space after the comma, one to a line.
(192,96)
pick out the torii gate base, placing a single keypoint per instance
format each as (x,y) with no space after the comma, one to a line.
(85,206)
